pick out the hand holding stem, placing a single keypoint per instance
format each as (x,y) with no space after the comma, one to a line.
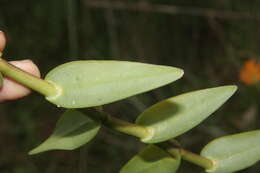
(12,90)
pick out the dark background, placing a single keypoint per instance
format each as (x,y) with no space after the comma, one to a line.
(210,40)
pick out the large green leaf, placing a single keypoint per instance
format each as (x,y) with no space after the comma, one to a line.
(234,152)
(94,83)
(174,116)
(73,130)
(152,160)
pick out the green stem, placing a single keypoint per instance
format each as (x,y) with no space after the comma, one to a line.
(117,124)
(187,155)
(126,127)
(27,79)
(196,159)
(172,147)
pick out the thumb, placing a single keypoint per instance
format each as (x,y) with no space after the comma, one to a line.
(12,90)
(2,41)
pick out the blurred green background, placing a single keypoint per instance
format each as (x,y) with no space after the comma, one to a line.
(210,40)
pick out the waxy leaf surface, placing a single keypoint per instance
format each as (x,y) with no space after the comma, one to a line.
(73,130)
(174,116)
(152,160)
(233,153)
(95,83)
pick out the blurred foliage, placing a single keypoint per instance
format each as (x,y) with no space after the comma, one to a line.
(211,50)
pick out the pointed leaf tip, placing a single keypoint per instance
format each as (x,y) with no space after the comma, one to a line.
(73,130)
(175,116)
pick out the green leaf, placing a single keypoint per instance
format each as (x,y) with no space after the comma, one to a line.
(174,116)
(73,130)
(152,160)
(1,80)
(94,83)
(233,153)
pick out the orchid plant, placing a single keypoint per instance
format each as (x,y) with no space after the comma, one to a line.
(83,87)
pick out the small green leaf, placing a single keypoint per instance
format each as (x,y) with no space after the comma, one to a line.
(233,153)
(1,80)
(73,130)
(174,116)
(152,160)
(95,83)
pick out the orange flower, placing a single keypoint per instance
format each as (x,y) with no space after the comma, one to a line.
(250,72)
